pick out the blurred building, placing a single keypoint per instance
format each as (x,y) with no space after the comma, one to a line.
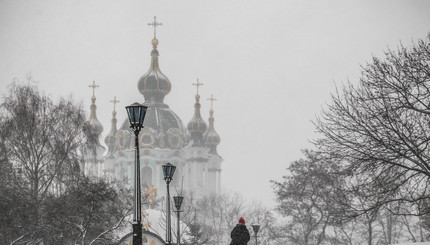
(164,138)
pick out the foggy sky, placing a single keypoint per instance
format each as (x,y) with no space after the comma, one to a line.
(271,64)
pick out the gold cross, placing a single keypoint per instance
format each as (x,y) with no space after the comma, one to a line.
(151,192)
(114,101)
(197,85)
(155,24)
(212,99)
(146,223)
(93,86)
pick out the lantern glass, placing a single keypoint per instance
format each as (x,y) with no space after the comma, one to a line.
(256,228)
(136,114)
(178,201)
(168,171)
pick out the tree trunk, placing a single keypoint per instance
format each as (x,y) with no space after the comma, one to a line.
(370,232)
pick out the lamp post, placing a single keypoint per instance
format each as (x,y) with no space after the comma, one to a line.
(178,202)
(168,171)
(136,114)
(256,228)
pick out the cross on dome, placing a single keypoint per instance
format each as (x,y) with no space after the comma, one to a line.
(93,86)
(212,99)
(197,84)
(155,24)
(114,101)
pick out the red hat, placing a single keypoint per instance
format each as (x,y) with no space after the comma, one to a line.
(241,220)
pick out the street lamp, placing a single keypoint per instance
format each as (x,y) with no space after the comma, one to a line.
(256,228)
(168,171)
(178,202)
(136,114)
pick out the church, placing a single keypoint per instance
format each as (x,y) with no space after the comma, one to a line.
(164,138)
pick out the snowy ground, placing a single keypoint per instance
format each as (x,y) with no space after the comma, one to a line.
(157,221)
(416,243)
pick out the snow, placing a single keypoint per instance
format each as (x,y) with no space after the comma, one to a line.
(157,221)
(414,243)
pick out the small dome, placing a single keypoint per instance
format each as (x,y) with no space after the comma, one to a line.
(197,126)
(110,141)
(110,138)
(154,85)
(211,137)
(94,127)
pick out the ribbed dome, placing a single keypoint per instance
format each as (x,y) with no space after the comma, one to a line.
(110,141)
(110,138)
(211,137)
(154,85)
(162,129)
(197,126)
(94,126)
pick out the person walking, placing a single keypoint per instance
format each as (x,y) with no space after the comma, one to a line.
(240,234)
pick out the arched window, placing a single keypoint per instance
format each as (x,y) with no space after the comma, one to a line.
(146,176)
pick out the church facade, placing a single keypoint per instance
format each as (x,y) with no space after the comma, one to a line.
(164,138)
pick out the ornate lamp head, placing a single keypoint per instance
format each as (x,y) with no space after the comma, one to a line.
(136,114)
(168,171)
(178,201)
(256,228)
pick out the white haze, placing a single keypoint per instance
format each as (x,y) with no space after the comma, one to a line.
(271,64)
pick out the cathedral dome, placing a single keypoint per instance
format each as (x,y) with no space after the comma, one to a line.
(162,129)
(154,85)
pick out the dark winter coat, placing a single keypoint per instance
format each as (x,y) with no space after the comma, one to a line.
(239,235)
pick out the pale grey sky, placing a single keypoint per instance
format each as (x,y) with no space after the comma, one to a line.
(271,64)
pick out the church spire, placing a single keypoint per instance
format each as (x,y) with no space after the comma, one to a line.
(154,85)
(110,139)
(94,126)
(93,129)
(211,137)
(197,126)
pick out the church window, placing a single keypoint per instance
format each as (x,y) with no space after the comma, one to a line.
(146,176)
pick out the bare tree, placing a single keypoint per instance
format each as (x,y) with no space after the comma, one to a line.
(42,137)
(379,129)
(257,213)
(344,233)
(42,141)
(188,224)
(217,214)
(212,214)
(390,224)
(88,212)
(306,197)
(44,195)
